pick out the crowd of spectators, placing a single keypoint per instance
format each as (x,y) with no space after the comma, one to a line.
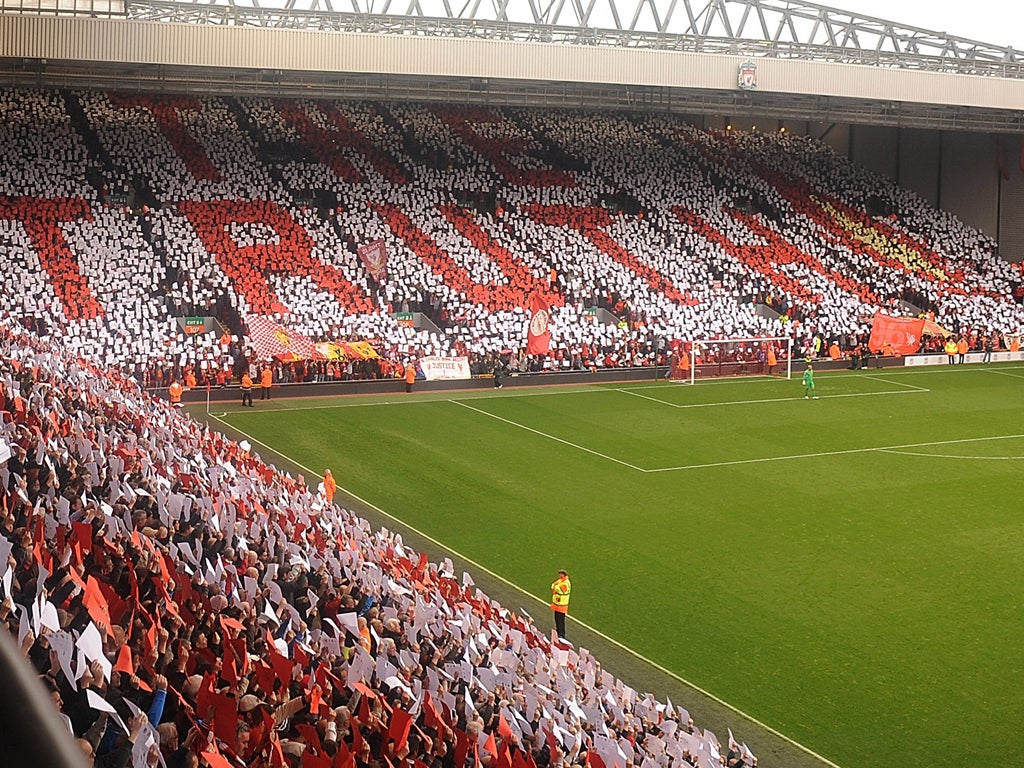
(183,601)
(120,214)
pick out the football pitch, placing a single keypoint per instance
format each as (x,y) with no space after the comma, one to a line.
(845,570)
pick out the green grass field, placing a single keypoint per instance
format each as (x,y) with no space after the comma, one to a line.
(846,570)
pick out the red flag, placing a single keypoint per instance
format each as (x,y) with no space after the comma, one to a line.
(309,760)
(205,698)
(283,667)
(431,717)
(225,717)
(903,334)
(124,660)
(96,604)
(364,709)
(357,739)
(343,758)
(398,731)
(491,746)
(265,677)
(276,754)
(357,685)
(461,746)
(227,623)
(375,258)
(228,670)
(538,332)
(504,728)
(217,760)
(82,533)
(553,747)
(312,738)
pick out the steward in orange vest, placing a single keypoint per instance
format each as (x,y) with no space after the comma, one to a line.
(330,486)
(560,591)
(247,389)
(175,391)
(266,381)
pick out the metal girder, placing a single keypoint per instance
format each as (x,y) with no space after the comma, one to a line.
(779,28)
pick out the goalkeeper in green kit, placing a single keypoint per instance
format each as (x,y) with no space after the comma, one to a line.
(809,390)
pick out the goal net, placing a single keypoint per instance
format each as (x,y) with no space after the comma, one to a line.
(717,358)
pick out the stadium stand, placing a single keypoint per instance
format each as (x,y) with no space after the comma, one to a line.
(183,600)
(120,213)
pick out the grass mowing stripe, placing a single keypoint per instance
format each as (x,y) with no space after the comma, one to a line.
(550,437)
(516,587)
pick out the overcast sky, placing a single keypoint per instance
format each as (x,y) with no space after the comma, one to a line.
(999,22)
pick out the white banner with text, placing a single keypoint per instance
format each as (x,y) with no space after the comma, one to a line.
(436,368)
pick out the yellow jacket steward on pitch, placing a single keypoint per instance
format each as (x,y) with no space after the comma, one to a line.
(560,590)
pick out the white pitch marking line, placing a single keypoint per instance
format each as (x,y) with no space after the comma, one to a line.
(1004,373)
(515,587)
(953,456)
(643,397)
(878,449)
(775,399)
(869,377)
(550,437)
(913,370)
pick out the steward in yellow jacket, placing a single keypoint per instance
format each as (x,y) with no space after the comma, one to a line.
(560,591)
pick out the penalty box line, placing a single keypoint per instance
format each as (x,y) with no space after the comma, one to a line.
(911,390)
(535,599)
(739,462)
(874,449)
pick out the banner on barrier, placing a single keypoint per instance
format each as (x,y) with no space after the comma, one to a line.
(437,368)
(1002,356)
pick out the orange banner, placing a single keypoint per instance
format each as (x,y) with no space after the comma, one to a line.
(903,334)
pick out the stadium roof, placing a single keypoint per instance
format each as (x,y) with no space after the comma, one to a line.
(779,28)
(759,30)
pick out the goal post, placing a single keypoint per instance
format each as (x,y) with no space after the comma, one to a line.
(718,358)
